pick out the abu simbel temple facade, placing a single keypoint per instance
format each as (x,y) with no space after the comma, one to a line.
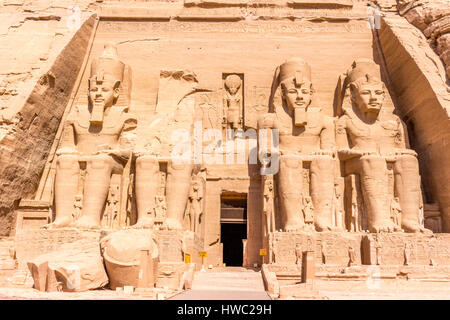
(142,141)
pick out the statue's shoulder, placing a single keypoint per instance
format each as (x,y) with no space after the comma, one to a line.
(341,121)
(78,115)
(129,120)
(394,123)
(267,120)
(327,121)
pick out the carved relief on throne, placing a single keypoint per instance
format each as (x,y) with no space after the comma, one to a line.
(338,211)
(120,209)
(159,211)
(208,110)
(257,104)
(307,210)
(356,217)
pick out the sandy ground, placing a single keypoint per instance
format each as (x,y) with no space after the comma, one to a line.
(240,284)
(368,290)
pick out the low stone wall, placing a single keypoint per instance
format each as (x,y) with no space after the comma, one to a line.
(417,249)
(35,242)
(329,247)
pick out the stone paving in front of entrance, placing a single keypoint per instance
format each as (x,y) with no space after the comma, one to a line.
(230,283)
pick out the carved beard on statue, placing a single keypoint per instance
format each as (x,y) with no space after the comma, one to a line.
(298,97)
(102,95)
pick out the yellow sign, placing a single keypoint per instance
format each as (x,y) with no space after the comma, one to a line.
(263,252)
(202,254)
(187,258)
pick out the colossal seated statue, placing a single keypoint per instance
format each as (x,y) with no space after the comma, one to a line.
(369,143)
(95,137)
(175,117)
(306,143)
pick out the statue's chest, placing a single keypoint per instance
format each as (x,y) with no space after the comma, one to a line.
(313,126)
(386,130)
(112,124)
(359,130)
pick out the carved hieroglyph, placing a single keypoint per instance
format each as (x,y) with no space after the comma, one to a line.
(306,139)
(96,137)
(368,143)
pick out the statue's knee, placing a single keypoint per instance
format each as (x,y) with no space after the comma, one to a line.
(323,163)
(67,162)
(100,161)
(180,168)
(146,162)
(408,162)
(372,162)
(291,162)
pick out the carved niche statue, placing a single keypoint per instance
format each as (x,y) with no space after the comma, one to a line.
(308,210)
(338,215)
(396,211)
(306,138)
(351,256)
(96,136)
(367,143)
(160,208)
(195,204)
(298,254)
(232,102)
(268,207)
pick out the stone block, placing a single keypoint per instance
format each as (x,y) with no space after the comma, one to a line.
(404,248)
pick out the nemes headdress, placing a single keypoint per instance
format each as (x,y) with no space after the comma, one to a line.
(295,68)
(363,70)
(108,66)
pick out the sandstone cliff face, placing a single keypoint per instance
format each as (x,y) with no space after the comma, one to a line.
(419,81)
(43,45)
(432,17)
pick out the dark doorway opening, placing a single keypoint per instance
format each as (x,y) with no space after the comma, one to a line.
(231,237)
(233,228)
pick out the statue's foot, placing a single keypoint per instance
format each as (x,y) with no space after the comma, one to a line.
(172,224)
(415,227)
(384,227)
(294,227)
(86,223)
(322,226)
(58,223)
(145,223)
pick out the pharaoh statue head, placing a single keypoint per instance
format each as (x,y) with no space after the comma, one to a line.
(233,83)
(106,76)
(366,89)
(294,77)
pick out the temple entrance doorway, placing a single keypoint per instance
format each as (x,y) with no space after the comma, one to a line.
(233,227)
